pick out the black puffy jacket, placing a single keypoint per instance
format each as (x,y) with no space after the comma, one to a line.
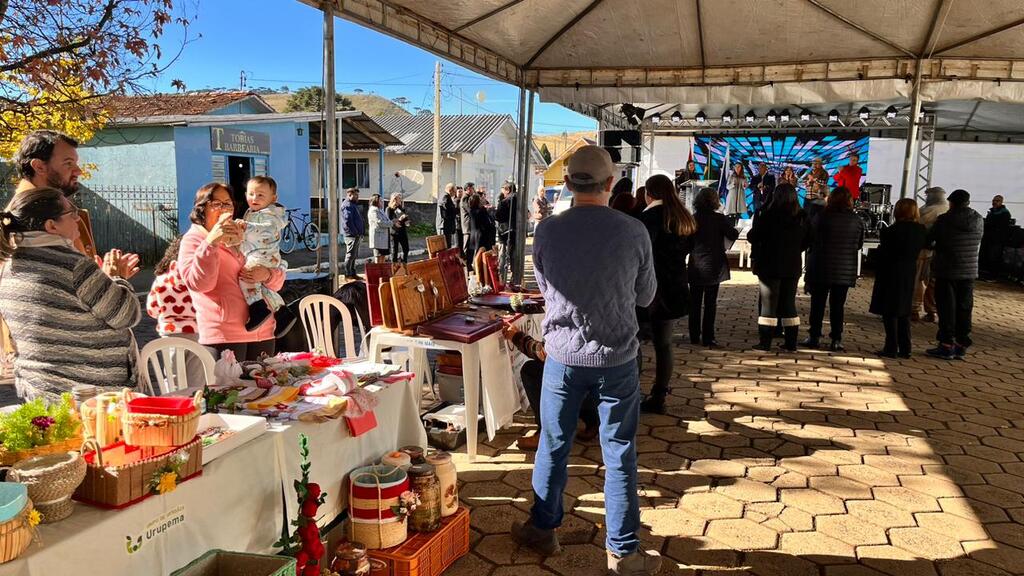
(776,241)
(672,300)
(836,239)
(956,238)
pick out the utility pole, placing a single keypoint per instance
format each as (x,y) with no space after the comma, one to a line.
(435,174)
(331,144)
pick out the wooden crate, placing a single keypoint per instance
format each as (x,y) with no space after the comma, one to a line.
(431,553)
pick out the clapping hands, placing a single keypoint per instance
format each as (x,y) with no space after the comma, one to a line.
(118,264)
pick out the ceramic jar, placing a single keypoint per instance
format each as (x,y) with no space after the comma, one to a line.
(415,454)
(397,459)
(350,560)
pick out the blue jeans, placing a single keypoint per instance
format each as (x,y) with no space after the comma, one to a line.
(562,394)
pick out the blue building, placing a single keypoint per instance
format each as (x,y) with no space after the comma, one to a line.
(182,141)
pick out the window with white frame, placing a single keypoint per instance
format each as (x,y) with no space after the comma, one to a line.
(355,173)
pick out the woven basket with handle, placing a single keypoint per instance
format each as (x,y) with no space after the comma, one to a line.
(16,534)
(385,530)
(51,480)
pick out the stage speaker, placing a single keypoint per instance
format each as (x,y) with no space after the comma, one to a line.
(623,145)
(876,193)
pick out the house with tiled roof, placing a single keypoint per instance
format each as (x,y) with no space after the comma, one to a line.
(478,148)
(180,142)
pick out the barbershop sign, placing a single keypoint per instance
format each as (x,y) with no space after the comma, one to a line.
(239,141)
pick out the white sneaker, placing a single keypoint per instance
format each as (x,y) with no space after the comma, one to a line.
(639,563)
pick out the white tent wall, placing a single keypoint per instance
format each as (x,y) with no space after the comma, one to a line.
(983,169)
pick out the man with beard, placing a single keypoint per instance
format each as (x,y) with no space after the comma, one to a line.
(47,158)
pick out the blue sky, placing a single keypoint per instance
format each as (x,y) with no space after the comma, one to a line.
(279,43)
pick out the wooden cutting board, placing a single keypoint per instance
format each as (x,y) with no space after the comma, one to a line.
(386,303)
(453,273)
(429,271)
(436,244)
(410,298)
(376,275)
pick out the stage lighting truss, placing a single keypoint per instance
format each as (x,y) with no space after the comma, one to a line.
(781,121)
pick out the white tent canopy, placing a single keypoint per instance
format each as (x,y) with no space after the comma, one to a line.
(733,52)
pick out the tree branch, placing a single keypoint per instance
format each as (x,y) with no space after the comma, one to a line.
(108,13)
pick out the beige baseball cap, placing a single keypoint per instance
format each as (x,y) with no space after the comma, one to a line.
(589,165)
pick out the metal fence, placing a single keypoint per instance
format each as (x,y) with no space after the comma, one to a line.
(135,219)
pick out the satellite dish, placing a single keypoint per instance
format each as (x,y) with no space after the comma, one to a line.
(481,96)
(406,183)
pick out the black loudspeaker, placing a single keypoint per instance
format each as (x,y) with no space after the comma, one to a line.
(623,145)
(876,193)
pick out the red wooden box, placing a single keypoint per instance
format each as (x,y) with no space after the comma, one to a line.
(431,553)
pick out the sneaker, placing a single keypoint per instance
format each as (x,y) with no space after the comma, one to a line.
(544,542)
(885,354)
(653,405)
(904,355)
(837,346)
(259,312)
(959,352)
(639,563)
(810,342)
(943,351)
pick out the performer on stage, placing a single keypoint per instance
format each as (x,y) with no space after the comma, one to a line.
(788,176)
(816,181)
(686,175)
(763,185)
(736,199)
(849,177)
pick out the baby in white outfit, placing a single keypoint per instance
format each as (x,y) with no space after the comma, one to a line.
(261,246)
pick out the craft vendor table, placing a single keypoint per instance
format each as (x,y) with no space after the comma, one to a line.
(236,504)
(485,366)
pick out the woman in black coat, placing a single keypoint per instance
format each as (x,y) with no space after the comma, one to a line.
(670,227)
(708,265)
(482,231)
(896,267)
(837,235)
(777,239)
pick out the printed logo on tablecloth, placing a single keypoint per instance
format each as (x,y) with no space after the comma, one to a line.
(157,527)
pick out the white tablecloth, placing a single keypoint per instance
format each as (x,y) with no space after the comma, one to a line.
(235,505)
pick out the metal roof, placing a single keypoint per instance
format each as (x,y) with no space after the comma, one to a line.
(359,131)
(463,133)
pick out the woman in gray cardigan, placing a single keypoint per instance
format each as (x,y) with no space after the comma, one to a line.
(69,318)
(380,226)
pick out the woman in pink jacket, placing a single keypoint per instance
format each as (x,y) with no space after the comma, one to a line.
(210,265)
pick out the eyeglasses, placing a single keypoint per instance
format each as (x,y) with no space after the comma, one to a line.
(216,205)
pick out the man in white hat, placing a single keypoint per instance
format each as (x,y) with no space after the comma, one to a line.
(594,266)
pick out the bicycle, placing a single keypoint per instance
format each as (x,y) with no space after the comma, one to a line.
(300,226)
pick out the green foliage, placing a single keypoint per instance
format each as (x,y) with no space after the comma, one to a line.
(545,153)
(311,99)
(421,229)
(18,432)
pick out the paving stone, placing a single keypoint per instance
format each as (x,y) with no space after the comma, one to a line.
(817,547)
(776,564)
(1010,482)
(925,543)
(954,474)
(955,526)
(851,529)
(1007,533)
(968,567)
(973,509)
(813,501)
(718,468)
(931,485)
(672,522)
(702,552)
(869,475)
(501,549)
(711,505)
(895,561)
(851,570)
(995,496)
(841,487)
(495,519)
(469,565)
(742,534)
(809,466)
(1001,556)
(577,559)
(907,499)
(790,480)
(747,490)
(797,520)
(892,464)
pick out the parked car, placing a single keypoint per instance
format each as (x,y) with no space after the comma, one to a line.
(563,199)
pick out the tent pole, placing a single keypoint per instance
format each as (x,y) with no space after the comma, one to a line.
(331,146)
(915,111)
(523,199)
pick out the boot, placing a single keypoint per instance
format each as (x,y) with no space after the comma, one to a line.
(639,563)
(764,335)
(259,312)
(790,338)
(544,542)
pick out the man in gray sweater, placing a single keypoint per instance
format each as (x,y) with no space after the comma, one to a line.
(594,266)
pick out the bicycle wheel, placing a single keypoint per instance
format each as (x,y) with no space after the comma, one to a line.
(311,236)
(288,238)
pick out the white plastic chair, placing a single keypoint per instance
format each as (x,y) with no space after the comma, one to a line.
(166,357)
(315,314)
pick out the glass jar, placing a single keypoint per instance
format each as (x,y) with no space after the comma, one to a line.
(378,568)
(415,454)
(448,480)
(398,459)
(350,560)
(423,481)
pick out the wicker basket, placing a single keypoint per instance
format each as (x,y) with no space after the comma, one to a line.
(146,429)
(372,492)
(51,480)
(119,475)
(8,458)
(91,418)
(16,534)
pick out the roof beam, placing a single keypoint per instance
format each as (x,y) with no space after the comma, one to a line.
(977,37)
(931,39)
(570,24)
(700,36)
(860,28)
(480,19)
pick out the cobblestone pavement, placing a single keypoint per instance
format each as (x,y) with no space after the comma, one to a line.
(813,463)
